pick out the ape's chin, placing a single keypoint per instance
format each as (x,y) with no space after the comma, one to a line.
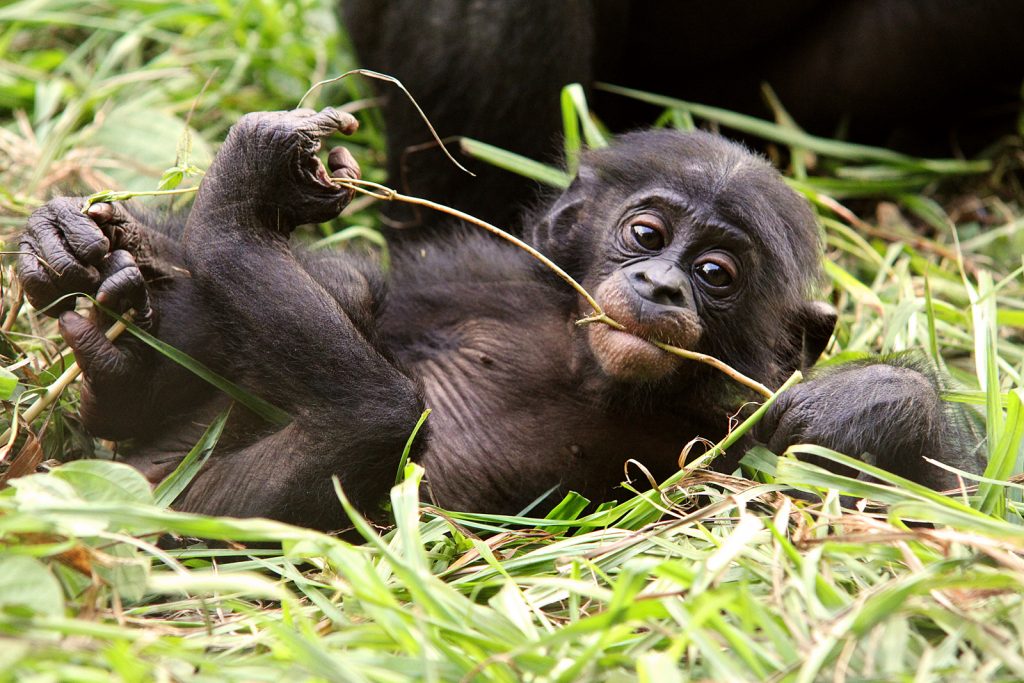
(626,357)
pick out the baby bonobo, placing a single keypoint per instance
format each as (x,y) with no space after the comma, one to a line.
(683,238)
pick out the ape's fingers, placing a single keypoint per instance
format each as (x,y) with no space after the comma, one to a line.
(61,228)
(772,429)
(120,227)
(100,360)
(102,212)
(38,281)
(343,164)
(328,121)
(124,287)
(307,122)
(59,248)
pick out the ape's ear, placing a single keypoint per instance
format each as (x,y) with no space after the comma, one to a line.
(810,328)
(817,322)
(556,231)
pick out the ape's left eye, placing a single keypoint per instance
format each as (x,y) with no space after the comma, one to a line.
(717,269)
(648,234)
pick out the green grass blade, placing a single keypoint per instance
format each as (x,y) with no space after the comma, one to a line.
(796,138)
(516,163)
(178,480)
(257,405)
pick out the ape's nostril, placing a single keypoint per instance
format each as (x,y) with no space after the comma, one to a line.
(665,287)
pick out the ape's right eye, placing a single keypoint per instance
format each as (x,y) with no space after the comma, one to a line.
(647,233)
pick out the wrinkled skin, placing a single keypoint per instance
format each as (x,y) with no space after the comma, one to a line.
(687,239)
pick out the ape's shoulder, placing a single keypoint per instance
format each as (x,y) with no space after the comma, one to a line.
(468,274)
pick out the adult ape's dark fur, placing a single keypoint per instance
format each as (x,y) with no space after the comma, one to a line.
(683,238)
(903,73)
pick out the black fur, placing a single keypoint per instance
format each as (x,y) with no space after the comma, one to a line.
(903,73)
(523,399)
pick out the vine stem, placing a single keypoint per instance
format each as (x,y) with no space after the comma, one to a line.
(598,316)
(54,390)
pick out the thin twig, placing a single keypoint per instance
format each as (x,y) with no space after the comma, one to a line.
(390,79)
(598,316)
(16,302)
(109,196)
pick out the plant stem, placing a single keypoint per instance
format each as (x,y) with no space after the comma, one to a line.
(58,386)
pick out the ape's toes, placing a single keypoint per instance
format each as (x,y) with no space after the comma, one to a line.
(343,164)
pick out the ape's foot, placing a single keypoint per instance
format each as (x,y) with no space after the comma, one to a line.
(268,172)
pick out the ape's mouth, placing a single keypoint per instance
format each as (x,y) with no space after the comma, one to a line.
(630,353)
(627,357)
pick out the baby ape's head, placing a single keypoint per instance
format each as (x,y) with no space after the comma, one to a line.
(691,240)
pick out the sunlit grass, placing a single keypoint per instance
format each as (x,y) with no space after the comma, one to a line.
(711,577)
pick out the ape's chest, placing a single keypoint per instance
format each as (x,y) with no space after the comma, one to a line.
(512,418)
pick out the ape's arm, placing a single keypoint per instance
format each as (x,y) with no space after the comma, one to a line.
(288,338)
(887,411)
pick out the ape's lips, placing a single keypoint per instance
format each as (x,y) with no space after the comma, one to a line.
(629,353)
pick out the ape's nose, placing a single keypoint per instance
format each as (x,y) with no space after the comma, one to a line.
(660,282)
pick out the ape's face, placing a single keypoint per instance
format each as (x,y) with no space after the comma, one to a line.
(687,240)
(667,273)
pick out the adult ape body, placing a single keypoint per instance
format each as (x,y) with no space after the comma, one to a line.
(686,239)
(905,74)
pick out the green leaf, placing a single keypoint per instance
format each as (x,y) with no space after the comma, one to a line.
(1005,454)
(8,384)
(857,289)
(150,138)
(27,583)
(171,178)
(259,406)
(535,170)
(760,459)
(104,481)
(125,570)
(797,138)
(176,482)
(576,115)
(402,470)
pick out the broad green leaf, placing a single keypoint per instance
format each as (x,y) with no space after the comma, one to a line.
(148,137)
(8,384)
(124,569)
(104,481)
(27,584)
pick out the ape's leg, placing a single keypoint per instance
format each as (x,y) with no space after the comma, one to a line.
(294,342)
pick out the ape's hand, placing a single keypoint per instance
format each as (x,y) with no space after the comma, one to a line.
(104,252)
(108,253)
(268,175)
(887,413)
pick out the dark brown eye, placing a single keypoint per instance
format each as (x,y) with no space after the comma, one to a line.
(717,269)
(647,236)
